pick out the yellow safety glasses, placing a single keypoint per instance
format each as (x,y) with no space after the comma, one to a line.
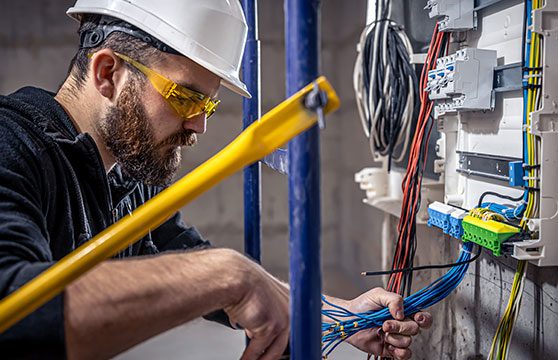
(187,103)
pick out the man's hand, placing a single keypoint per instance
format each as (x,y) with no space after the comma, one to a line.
(395,336)
(262,310)
(104,310)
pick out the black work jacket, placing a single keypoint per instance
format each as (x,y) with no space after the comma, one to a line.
(54,196)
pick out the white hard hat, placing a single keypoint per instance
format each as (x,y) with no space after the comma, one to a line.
(212,33)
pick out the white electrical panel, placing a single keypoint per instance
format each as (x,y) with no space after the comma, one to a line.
(477,149)
(452,15)
(462,81)
(478,94)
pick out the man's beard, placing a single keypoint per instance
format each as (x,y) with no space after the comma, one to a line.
(129,136)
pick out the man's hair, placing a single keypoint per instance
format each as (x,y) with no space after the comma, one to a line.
(117,41)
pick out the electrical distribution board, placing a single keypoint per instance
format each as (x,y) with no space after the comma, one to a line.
(483,152)
(497,113)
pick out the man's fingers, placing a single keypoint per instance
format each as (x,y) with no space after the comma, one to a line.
(257,347)
(369,340)
(393,301)
(399,354)
(406,327)
(423,319)
(268,343)
(277,348)
(398,340)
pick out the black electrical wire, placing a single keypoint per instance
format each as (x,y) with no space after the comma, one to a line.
(425,267)
(501,196)
(386,85)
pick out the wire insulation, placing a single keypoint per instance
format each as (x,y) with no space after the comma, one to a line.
(532,84)
(425,267)
(385,85)
(343,323)
(405,248)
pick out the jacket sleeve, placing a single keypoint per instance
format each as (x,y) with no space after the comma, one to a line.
(174,234)
(24,248)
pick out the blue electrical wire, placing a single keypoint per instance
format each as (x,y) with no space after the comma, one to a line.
(347,323)
(509,212)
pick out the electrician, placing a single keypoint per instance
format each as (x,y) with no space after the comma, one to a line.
(140,87)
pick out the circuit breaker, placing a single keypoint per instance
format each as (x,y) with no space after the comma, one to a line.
(462,81)
(452,15)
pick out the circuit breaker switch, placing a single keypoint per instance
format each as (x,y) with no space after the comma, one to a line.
(453,15)
(463,81)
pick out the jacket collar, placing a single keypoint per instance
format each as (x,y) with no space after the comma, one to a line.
(79,148)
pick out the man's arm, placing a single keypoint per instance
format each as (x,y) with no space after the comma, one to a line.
(120,303)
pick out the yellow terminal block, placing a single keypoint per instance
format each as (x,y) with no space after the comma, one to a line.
(489,234)
(273,130)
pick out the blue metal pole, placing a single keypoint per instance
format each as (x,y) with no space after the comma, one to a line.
(252,111)
(302,49)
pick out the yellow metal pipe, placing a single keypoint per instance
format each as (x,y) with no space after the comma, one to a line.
(273,130)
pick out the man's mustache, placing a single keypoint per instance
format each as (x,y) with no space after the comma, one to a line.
(183,138)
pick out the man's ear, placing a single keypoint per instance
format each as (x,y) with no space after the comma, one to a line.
(108,73)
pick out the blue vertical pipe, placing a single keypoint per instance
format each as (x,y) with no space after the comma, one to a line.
(251,112)
(302,50)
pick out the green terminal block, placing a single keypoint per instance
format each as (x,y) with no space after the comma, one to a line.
(488,234)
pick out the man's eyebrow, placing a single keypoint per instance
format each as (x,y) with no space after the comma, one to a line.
(193,87)
(190,87)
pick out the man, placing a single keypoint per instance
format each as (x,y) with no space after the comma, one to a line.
(76,161)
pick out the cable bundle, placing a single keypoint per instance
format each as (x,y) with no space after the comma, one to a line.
(532,75)
(406,243)
(385,85)
(347,323)
(509,213)
(532,101)
(502,338)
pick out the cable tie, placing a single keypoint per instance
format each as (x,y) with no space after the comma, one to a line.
(461,248)
(530,76)
(532,86)
(529,188)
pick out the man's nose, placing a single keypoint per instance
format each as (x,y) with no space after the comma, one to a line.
(197,124)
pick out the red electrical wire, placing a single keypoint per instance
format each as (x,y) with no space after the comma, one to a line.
(405,247)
